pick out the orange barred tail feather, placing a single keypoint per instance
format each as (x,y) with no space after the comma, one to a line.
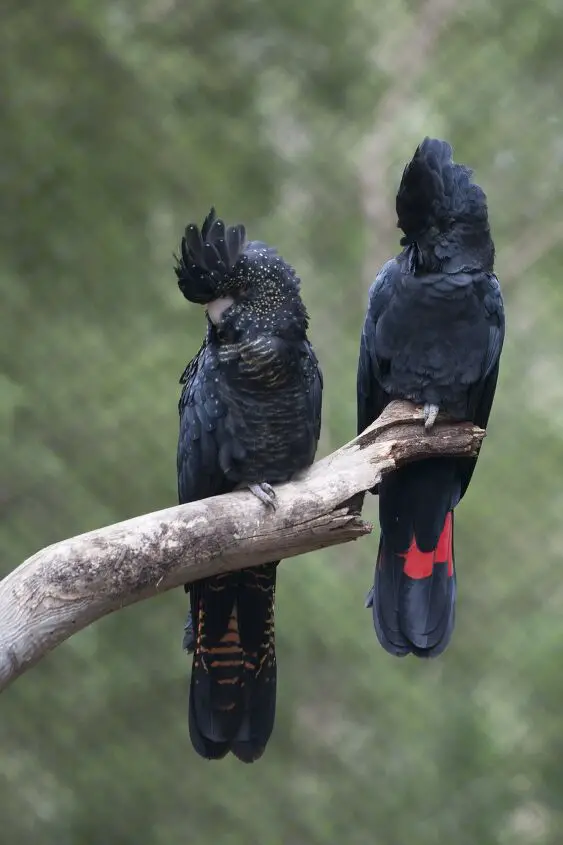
(413,599)
(216,683)
(256,603)
(233,683)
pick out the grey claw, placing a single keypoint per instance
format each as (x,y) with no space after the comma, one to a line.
(188,643)
(369,598)
(265,492)
(430,414)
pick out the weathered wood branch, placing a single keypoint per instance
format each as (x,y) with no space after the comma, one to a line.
(64,587)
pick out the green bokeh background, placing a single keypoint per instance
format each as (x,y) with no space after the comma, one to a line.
(120,122)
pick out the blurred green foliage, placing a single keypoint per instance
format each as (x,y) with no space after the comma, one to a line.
(122,121)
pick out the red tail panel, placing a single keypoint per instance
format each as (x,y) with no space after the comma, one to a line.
(444,549)
(419,564)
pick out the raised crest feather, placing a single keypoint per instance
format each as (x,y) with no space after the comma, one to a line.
(208,257)
(436,192)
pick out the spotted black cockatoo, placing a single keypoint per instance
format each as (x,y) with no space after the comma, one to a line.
(250,416)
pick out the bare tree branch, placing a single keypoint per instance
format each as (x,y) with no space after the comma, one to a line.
(66,586)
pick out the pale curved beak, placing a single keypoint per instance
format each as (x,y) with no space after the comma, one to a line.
(217,307)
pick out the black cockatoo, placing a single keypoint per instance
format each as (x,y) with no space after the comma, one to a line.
(433,334)
(250,416)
